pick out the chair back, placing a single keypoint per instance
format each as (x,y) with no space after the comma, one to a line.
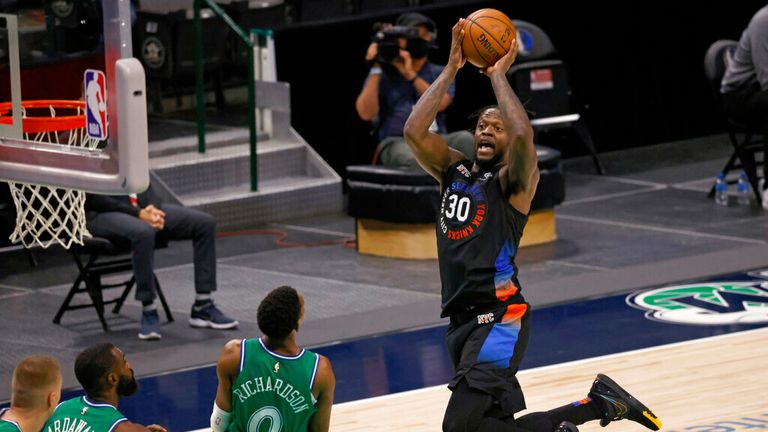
(538,77)
(532,42)
(543,87)
(716,62)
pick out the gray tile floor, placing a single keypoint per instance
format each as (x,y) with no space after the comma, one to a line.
(646,222)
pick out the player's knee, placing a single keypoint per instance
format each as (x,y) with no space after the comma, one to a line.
(205,222)
(145,236)
(457,421)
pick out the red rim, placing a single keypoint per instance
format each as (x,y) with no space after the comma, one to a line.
(46,124)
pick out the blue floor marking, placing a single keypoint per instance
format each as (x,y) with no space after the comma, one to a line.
(410,360)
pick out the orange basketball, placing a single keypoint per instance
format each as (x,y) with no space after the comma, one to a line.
(488,35)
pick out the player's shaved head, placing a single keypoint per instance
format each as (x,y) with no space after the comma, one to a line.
(34,378)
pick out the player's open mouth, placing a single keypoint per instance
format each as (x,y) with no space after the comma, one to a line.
(486,145)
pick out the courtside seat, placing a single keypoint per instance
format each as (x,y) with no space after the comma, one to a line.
(104,258)
(395,209)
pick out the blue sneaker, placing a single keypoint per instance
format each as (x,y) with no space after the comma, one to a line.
(150,326)
(208,315)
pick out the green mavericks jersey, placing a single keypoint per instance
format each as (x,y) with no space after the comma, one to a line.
(8,425)
(272,392)
(83,415)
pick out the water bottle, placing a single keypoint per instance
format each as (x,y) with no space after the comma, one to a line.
(743,193)
(721,190)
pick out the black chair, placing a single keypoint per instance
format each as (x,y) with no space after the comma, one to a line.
(104,258)
(318,10)
(164,43)
(747,142)
(541,82)
(263,14)
(378,6)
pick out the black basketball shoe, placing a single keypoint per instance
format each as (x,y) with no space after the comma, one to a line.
(567,427)
(616,404)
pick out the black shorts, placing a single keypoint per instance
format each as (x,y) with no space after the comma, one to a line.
(487,353)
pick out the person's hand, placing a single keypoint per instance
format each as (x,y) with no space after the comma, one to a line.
(373,50)
(504,63)
(156,211)
(153,216)
(156,428)
(404,65)
(456,57)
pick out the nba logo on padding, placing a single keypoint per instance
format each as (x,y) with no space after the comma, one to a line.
(96,104)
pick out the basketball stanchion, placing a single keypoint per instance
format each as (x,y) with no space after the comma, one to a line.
(47,215)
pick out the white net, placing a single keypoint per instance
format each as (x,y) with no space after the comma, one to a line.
(48,215)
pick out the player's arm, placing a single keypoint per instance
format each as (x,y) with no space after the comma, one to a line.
(227,369)
(325,384)
(521,174)
(126,426)
(430,149)
(367,103)
(759,47)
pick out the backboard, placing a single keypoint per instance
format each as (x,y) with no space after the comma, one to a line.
(74,50)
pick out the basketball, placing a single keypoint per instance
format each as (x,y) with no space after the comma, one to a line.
(488,36)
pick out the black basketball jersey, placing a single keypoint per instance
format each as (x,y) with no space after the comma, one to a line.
(478,233)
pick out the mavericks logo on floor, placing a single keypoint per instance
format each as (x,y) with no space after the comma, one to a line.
(706,303)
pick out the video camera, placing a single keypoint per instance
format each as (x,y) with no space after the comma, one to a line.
(386,36)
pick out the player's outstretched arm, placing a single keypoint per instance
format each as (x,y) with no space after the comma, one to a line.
(325,384)
(430,149)
(126,426)
(227,368)
(521,174)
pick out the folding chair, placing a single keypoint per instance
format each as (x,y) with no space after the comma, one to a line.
(747,142)
(91,271)
(541,82)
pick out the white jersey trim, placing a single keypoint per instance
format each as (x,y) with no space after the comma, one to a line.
(263,345)
(120,420)
(3,411)
(98,405)
(312,380)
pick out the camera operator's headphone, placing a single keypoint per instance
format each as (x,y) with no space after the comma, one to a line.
(413,19)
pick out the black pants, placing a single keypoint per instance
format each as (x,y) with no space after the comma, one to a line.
(748,106)
(181,223)
(470,409)
(486,395)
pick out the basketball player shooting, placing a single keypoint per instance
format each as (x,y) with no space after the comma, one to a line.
(485,203)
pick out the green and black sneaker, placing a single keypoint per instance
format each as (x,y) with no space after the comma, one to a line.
(617,404)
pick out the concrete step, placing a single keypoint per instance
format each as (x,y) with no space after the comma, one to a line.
(213,140)
(237,207)
(229,166)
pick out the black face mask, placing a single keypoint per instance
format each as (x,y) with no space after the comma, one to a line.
(418,48)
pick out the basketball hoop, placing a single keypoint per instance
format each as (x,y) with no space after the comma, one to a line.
(47,215)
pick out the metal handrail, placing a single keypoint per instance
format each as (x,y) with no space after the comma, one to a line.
(199,96)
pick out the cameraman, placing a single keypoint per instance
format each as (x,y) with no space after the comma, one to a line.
(401,72)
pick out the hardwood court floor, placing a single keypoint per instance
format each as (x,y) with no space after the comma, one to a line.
(716,383)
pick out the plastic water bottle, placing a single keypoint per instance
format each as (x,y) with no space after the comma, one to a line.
(721,190)
(743,193)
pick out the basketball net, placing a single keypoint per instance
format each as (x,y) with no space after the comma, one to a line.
(46,215)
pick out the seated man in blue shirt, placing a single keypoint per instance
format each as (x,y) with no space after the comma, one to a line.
(396,81)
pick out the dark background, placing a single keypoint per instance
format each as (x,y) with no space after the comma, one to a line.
(637,65)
